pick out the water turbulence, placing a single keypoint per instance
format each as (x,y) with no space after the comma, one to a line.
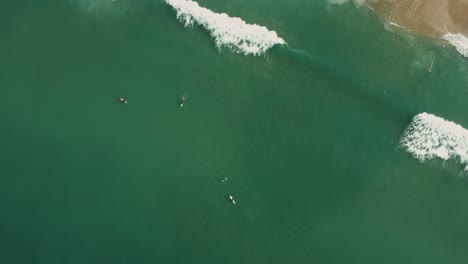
(429,136)
(228,32)
(107,8)
(459,41)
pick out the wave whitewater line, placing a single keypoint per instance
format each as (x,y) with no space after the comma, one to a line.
(459,41)
(429,136)
(228,32)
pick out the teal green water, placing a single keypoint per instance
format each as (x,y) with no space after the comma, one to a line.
(307,136)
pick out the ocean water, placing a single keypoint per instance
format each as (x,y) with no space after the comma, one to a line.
(307,132)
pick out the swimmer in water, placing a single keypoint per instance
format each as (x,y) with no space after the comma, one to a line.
(182,101)
(232,199)
(122,100)
(224,180)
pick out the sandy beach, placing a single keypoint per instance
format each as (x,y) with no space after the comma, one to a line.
(430,17)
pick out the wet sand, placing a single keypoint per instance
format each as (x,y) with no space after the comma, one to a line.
(429,17)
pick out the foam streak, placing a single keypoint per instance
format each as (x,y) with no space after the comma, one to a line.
(429,137)
(228,32)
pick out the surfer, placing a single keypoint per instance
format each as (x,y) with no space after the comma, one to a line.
(182,101)
(232,199)
(122,100)
(224,180)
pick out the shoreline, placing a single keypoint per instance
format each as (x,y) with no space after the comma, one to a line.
(444,19)
(431,17)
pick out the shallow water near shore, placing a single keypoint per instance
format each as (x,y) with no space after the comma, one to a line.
(307,135)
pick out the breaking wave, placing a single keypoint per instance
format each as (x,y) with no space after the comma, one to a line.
(459,41)
(429,136)
(228,32)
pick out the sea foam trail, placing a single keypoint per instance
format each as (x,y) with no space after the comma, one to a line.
(429,136)
(459,41)
(228,32)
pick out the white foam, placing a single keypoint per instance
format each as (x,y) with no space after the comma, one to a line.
(459,41)
(429,136)
(340,2)
(337,2)
(229,32)
(396,25)
(393,27)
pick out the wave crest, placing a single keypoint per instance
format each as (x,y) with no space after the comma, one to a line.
(429,136)
(459,41)
(229,32)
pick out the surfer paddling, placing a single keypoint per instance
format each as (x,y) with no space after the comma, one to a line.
(232,199)
(182,101)
(122,100)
